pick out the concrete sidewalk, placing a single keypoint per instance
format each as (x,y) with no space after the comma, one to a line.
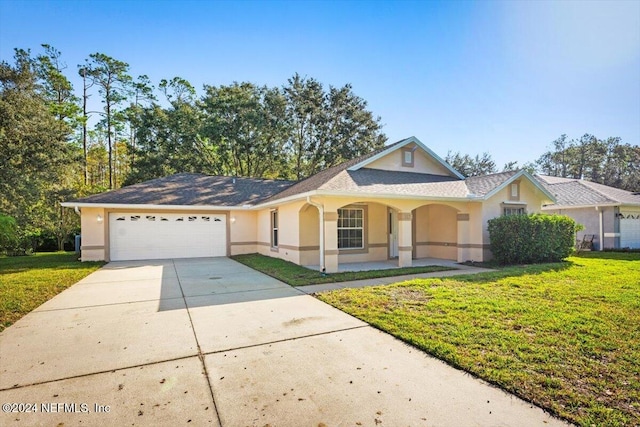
(212,342)
(460,270)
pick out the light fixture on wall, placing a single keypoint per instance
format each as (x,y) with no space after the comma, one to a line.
(99,218)
(233,219)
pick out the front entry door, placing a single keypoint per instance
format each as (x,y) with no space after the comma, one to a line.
(393,234)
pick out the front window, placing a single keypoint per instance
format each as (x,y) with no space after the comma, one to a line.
(350,228)
(514,211)
(274,229)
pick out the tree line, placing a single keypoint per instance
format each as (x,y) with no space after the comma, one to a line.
(606,161)
(54,146)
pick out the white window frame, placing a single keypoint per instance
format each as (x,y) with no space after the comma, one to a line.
(514,191)
(408,162)
(274,228)
(514,210)
(351,226)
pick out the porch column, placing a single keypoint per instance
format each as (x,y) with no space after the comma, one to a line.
(464,247)
(405,244)
(331,241)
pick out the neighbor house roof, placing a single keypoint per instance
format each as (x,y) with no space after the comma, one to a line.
(571,192)
(191,189)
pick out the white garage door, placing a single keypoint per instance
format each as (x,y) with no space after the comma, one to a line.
(629,228)
(158,235)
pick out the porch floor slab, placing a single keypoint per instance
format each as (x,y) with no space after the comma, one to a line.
(460,270)
(389,264)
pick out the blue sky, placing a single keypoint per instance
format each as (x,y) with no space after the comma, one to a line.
(503,77)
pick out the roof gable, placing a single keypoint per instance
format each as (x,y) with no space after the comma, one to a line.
(314,182)
(487,186)
(425,160)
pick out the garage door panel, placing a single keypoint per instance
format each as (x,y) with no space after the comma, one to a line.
(630,228)
(156,236)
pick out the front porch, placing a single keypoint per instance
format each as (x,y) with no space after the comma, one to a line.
(345,235)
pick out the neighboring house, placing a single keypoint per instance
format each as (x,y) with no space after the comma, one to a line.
(610,214)
(402,201)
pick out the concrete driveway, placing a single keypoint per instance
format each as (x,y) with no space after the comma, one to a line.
(212,342)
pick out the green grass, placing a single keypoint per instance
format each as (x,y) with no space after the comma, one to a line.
(564,336)
(296,275)
(28,281)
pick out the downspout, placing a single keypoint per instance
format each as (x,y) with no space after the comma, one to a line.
(321,211)
(601,223)
(77,245)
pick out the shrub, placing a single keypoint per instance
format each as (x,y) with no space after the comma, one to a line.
(16,240)
(8,233)
(527,239)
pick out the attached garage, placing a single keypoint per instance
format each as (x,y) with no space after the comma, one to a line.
(138,236)
(629,227)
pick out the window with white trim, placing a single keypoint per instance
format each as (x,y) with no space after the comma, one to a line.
(514,211)
(274,229)
(407,157)
(351,228)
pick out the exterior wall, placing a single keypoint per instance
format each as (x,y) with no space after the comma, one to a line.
(422,163)
(375,226)
(468,246)
(263,232)
(436,232)
(93,246)
(243,228)
(530,197)
(309,235)
(471,246)
(299,230)
(376,229)
(590,219)
(288,232)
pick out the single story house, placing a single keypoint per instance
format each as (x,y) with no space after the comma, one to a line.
(610,214)
(399,202)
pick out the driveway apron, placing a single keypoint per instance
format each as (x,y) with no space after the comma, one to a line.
(209,341)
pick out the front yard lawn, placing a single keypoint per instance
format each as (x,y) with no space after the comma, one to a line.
(564,336)
(295,275)
(28,281)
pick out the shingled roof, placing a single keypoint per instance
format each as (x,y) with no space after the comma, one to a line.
(483,185)
(189,189)
(192,189)
(578,192)
(315,182)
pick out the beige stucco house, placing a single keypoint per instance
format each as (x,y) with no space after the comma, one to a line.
(400,202)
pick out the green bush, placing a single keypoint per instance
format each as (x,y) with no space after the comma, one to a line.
(528,239)
(15,240)
(8,233)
